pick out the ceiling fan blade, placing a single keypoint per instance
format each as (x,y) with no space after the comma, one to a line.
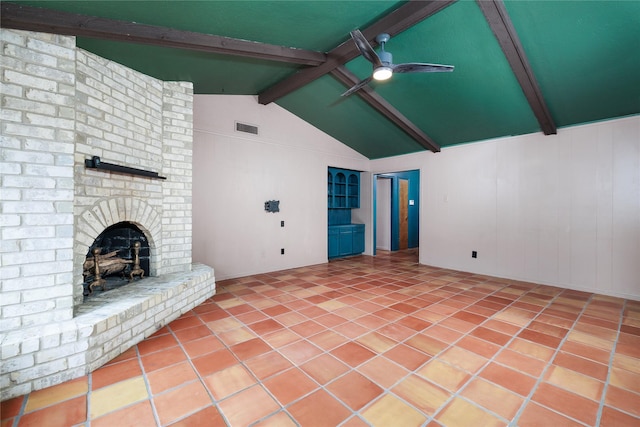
(360,85)
(365,48)
(416,67)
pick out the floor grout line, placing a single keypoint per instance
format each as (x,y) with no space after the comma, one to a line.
(89,393)
(514,421)
(152,396)
(492,359)
(610,366)
(154,409)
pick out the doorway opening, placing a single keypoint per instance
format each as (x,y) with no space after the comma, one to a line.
(396,216)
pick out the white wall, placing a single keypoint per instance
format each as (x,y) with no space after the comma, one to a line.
(383,214)
(561,210)
(235,173)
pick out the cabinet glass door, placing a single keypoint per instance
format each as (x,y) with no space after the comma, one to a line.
(340,190)
(353,191)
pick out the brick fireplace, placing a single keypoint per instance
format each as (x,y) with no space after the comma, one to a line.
(123,256)
(60,106)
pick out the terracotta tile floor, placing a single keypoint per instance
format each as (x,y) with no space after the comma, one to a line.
(378,341)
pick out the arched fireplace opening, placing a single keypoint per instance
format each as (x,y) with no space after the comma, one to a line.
(119,255)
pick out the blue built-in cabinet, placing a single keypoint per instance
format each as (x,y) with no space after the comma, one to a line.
(346,240)
(343,194)
(343,189)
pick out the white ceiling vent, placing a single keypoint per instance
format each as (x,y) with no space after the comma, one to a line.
(243,127)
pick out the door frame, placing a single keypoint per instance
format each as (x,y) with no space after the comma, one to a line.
(376,219)
(414,191)
(403,213)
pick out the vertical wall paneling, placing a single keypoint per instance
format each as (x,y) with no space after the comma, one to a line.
(235,173)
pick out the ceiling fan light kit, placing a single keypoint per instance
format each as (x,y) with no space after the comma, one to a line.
(382,73)
(383,66)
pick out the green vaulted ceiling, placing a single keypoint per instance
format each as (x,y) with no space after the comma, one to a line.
(584,57)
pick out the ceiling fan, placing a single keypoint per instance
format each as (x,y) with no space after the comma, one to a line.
(383,66)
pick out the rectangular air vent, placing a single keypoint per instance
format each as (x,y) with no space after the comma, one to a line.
(243,127)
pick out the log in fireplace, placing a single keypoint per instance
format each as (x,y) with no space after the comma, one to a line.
(118,255)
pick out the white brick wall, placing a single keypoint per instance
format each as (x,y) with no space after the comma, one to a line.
(155,134)
(36,173)
(177,161)
(60,106)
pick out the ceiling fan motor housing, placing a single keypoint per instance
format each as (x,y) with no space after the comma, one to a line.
(385,57)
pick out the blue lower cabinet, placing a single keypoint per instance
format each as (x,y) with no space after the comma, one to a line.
(345,240)
(358,238)
(334,242)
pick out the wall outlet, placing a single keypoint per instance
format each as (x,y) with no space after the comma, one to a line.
(474,254)
(281,223)
(282,251)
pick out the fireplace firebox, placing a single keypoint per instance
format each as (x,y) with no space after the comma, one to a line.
(118,255)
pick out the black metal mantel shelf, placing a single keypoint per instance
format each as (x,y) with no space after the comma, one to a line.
(96,163)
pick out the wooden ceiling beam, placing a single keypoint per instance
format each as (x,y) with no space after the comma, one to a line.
(57,22)
(496,15)
(378,103)
(28,18)
(394,23)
